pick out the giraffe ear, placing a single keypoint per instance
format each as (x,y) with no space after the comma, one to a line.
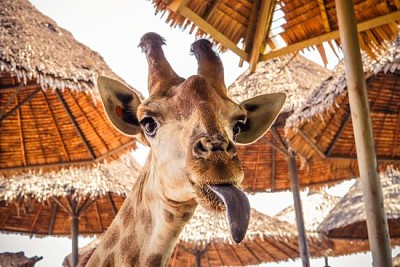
(120,103)
(261,113)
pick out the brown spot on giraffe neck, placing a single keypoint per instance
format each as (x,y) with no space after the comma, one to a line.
(154,260)
(129,250)
(112,238)
(109,261)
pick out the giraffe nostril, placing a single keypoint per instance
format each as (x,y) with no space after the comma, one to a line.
(202,148)
(205,147)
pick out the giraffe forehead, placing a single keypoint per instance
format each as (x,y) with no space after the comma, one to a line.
(193,96)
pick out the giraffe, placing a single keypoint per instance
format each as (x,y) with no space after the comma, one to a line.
(191,127)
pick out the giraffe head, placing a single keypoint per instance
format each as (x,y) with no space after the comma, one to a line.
(192,128)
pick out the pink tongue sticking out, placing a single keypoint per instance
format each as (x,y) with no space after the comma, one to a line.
(237,208)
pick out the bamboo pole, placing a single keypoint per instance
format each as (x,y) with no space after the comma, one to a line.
(378,233)
(303,247)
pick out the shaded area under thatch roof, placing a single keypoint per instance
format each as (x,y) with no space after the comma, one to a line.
(44,203)
(265,162)
(347,219)
(321,129)
(18,259)
(49,113)
(260,30)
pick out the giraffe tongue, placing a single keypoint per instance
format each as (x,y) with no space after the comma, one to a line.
(237,208)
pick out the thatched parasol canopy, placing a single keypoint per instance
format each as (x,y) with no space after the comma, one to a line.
(316,206)
(18,259)
(37,203)
(347,219)
(294,75)
(265,162)
(49,116)
(260,30)
(321,129)
(267,240)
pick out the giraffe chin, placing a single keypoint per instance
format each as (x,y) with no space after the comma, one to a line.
(237,207)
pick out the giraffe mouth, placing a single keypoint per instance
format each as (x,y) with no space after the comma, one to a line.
(236,205)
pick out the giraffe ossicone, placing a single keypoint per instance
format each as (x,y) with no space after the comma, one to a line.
(192,128)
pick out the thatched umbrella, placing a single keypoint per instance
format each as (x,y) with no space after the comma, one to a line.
(272,28)
(347,219)
(265,162)
(316,206)
(321,129)
(268,29)
(204,242)
(49,116)
(18,259)
(69,201)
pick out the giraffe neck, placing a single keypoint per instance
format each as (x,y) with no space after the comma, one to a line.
(146,228)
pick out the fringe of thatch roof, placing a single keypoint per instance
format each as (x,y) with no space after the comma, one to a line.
(350,209)
(117,177)
(206,227)
(291,74)
(33,46)
(322,99)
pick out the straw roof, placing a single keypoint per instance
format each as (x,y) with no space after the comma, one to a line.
(258,30)
(294,75)
(265,164)
(347,219)
(267,240)
(316,206)
(321,129)
(49,116)
(17,259)
(37,203)
(34,47)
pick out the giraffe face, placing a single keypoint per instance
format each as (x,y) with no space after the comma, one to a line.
(192,133)
(192,127)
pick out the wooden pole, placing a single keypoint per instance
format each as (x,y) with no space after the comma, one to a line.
(74,238)
(378,233)
(304,254)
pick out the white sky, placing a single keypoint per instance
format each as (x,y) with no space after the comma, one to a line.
(113,28)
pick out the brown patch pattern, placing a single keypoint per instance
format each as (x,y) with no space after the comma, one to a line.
(129,250)
(127,215)
(146,219)
(168,216)
(109,261)
(112,238)
(154,260)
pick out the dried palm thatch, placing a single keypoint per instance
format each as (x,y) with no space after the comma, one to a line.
(49,116)
(267,29)
(17,259)
(321,130)
(316,206)
(347,219)
(294,75)
(38,204)
(207,236)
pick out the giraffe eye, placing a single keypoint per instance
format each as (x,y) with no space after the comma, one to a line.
(149,125)
(237,128)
